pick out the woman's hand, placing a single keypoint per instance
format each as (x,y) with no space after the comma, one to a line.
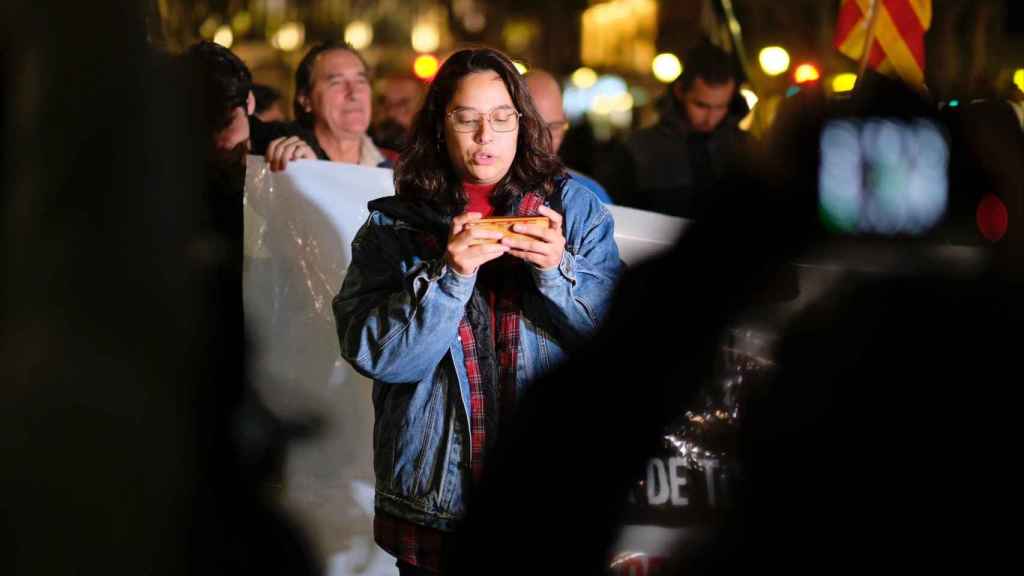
(548,244)
(283,150)
(465,253)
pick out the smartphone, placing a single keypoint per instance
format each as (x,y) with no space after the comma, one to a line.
(504,225)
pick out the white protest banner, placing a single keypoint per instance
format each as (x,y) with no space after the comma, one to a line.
(299,226)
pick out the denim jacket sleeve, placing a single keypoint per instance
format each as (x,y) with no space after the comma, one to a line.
(397,315)
(579,290)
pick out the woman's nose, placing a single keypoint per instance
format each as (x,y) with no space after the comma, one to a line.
(484,133)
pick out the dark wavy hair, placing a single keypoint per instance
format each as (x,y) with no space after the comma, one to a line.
(425,171)
(222,77)
(304,76)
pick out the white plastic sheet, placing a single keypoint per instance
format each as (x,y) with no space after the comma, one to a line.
(298,228)
(641,235)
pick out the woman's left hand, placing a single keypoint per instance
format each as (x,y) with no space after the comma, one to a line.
(545,248)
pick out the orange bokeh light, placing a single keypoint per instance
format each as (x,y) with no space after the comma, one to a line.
(806,73)
(425,66)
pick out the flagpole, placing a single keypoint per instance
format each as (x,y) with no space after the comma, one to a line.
(737,37)
(869,39)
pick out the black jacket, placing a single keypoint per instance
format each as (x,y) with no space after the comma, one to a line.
(668,168)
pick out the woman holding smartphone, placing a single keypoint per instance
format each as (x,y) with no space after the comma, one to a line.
(451,320)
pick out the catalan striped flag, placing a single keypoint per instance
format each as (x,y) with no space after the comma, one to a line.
(898,44)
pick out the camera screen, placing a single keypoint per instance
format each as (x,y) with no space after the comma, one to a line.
(882,176)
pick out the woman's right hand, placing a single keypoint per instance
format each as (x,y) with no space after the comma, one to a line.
(464,254)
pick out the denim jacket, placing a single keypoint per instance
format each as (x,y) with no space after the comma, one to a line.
(398,314)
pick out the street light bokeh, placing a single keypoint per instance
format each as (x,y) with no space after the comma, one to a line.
(208,29)
(666,67)
(844,82)
(806,72)
(750,96)
(289,37)
(425,37)
(584,77)
(425,66)
(224,36)
(774,60)
(359,34)
(242,22)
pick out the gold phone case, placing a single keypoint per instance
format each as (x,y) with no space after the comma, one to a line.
(504,225)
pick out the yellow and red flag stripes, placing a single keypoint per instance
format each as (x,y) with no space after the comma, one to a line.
(898,45)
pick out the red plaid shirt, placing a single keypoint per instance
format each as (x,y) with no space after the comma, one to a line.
(505,305)
(425,547)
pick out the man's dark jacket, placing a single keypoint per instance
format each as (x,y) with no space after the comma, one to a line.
(669,168)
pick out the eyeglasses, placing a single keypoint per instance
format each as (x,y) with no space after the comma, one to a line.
(502,119)
(556,127)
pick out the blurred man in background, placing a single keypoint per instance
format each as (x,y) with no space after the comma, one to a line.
(226,103)
(332,102)
(671,167)
(399,99)
(332,109)
(547,97)
(268,103)
(226,108)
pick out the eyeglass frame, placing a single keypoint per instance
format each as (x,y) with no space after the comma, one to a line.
(559,126)
(486,115)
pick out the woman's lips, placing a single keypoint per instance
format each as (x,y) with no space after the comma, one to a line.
(483,159)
